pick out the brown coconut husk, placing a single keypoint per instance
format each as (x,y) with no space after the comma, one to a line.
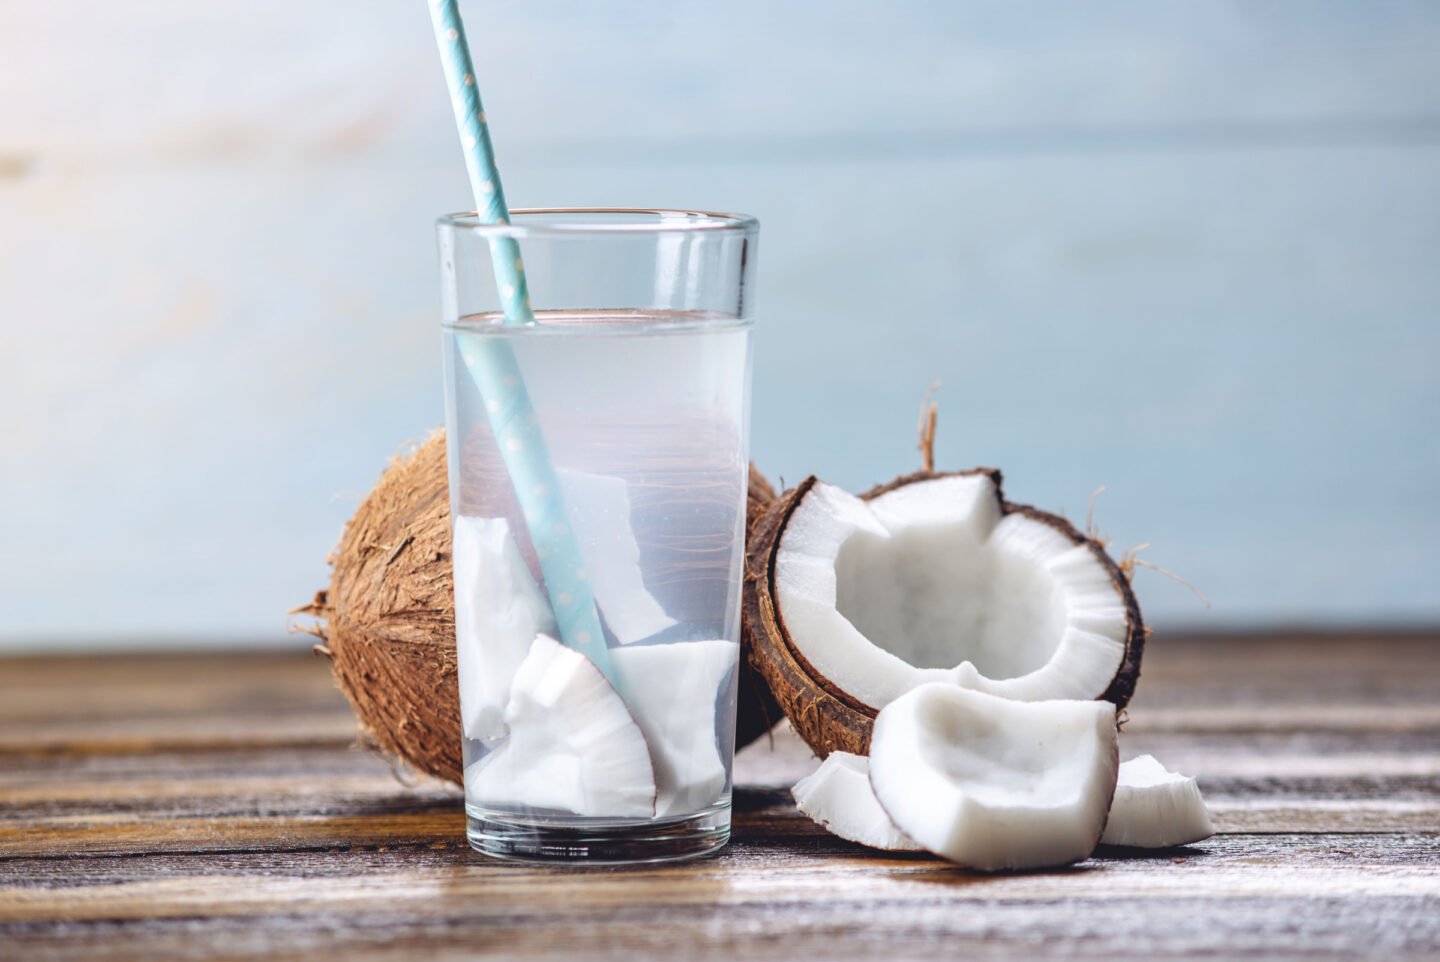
(829,719)
(387,620)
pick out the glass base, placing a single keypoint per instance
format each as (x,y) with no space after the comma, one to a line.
(516,838)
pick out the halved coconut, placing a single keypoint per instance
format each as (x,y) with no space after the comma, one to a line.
(992,783)
(674,693)
(1155,808)
(838,796)
(499,609)
(572,745)
(853,601)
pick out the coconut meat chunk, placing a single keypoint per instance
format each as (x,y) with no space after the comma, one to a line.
(1156,808)
(838,796)
(600,512)
(936,580)
(993,783)
(572,746)
(499,609)
(674,691)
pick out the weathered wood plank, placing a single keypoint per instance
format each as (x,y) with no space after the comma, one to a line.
(1232,896)
(310,810)
(302,792)
(135,703)
(256,824)
(755,846)
(1365,781)
(168,839)
(835,928)
(1363,754)
(1303,684)
(396,824)
(788,882)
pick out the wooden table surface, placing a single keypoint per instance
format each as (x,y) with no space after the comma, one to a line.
(209,806)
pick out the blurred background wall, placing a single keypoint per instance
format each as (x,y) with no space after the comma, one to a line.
(1187,251)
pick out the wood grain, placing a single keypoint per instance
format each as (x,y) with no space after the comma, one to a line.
(216,806)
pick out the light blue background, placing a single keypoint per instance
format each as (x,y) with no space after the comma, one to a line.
(1188,251)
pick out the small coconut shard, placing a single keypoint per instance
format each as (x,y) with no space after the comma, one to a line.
(499,609)
(1155,808)
(838,796)
(573,746)
(995,784)
(853,601)
(674,692)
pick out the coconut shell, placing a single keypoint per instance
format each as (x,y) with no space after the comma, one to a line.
(388,616)
(827,718)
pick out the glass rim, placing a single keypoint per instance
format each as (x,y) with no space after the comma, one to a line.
(646,220)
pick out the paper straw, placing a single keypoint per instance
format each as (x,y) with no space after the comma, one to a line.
(492,364)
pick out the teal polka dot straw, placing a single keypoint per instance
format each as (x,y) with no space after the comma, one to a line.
(492,364)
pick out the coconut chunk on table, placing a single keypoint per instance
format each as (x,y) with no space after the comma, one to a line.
(1155,807)
(838,796)
(995,784)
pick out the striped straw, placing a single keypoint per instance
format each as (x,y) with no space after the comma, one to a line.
(493,366)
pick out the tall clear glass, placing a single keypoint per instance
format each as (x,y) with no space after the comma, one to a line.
(619,418)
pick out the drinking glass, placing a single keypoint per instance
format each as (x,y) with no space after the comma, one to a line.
(609,435)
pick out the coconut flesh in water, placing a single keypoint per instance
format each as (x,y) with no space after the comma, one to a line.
(644,418)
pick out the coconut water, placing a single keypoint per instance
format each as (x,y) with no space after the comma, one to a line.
(644,416)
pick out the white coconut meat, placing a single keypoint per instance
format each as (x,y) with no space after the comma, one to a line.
(499,609)
(572,747)
(838,796)
(1155,807)
(673,691)
(599,510)
(992,783)
(932,581)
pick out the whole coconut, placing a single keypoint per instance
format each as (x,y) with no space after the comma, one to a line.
(387,621)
